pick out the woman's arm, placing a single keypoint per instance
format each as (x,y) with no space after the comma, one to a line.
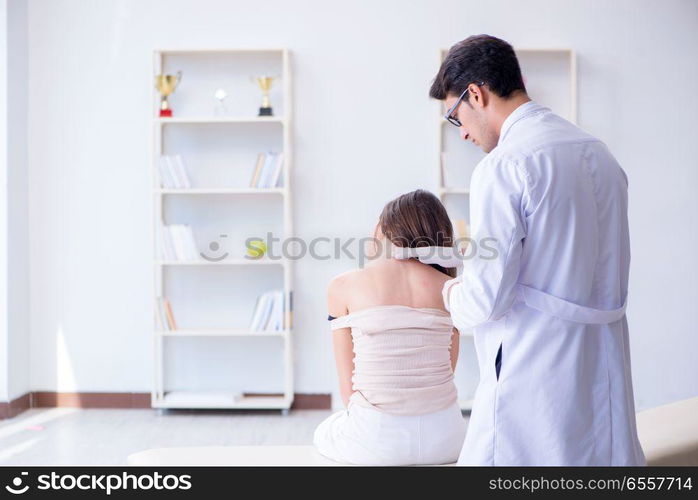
(344,357)
(455,347)
(341,338)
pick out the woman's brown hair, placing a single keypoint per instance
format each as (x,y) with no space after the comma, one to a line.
(418,219)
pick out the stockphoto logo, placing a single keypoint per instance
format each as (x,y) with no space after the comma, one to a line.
(101,482)
(18,487)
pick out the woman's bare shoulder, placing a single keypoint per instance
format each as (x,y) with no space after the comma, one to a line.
(339,292)
(341,286)
(344,279)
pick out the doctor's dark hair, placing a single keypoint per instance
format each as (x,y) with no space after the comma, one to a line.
(418,219)
(478,58)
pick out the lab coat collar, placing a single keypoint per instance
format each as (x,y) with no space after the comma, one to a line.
(526,109)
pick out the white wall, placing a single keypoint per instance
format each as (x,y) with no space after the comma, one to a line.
(365,132)
(14,241)
(17,199)
(3,202)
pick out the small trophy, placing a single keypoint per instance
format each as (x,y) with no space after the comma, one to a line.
(221,109)
(166,84)
(265,83)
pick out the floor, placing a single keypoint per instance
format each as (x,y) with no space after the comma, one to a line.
(71,436)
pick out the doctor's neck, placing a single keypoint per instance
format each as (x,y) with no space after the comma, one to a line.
(501,108)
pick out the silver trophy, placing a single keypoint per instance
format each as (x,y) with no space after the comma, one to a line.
(221,109)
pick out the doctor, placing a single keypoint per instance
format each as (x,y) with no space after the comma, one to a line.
(548,312)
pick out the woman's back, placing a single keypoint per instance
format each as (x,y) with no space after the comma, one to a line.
(392,282)
(401,337)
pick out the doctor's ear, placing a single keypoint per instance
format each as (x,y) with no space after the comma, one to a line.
(477,96)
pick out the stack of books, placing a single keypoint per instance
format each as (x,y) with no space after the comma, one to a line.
(173,173)
(269,312)
(164,318)
(267,171)
(178,243)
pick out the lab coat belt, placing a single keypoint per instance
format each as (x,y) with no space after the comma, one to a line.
(569,311)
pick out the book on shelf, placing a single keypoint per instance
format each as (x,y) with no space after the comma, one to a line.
(268,171)
(257,168)
(289,311)
(173,172)
(178,243)
(164,316)
(269,312)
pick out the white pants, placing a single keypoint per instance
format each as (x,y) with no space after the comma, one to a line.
(364,436)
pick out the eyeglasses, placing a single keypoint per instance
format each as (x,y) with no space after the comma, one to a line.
(449,114)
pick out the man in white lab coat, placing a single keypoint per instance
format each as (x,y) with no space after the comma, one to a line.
(548,311)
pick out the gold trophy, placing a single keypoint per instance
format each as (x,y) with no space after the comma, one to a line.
(265,83)
(166,84)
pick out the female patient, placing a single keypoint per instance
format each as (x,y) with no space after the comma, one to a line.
(396,349)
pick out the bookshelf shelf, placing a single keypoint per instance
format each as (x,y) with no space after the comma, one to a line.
(222,51)
(221,332)
(550,76)
(192,191)
(221,119)
(454,190)
(220,400)
(225,262)
(217,154)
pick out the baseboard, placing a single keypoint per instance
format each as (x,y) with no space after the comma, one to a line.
(47,399)
(43,399)
(9,409)
(312,402)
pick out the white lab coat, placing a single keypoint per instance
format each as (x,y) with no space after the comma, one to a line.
(555,201)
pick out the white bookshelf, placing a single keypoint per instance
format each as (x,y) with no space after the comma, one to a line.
(220,150)
(550,76)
